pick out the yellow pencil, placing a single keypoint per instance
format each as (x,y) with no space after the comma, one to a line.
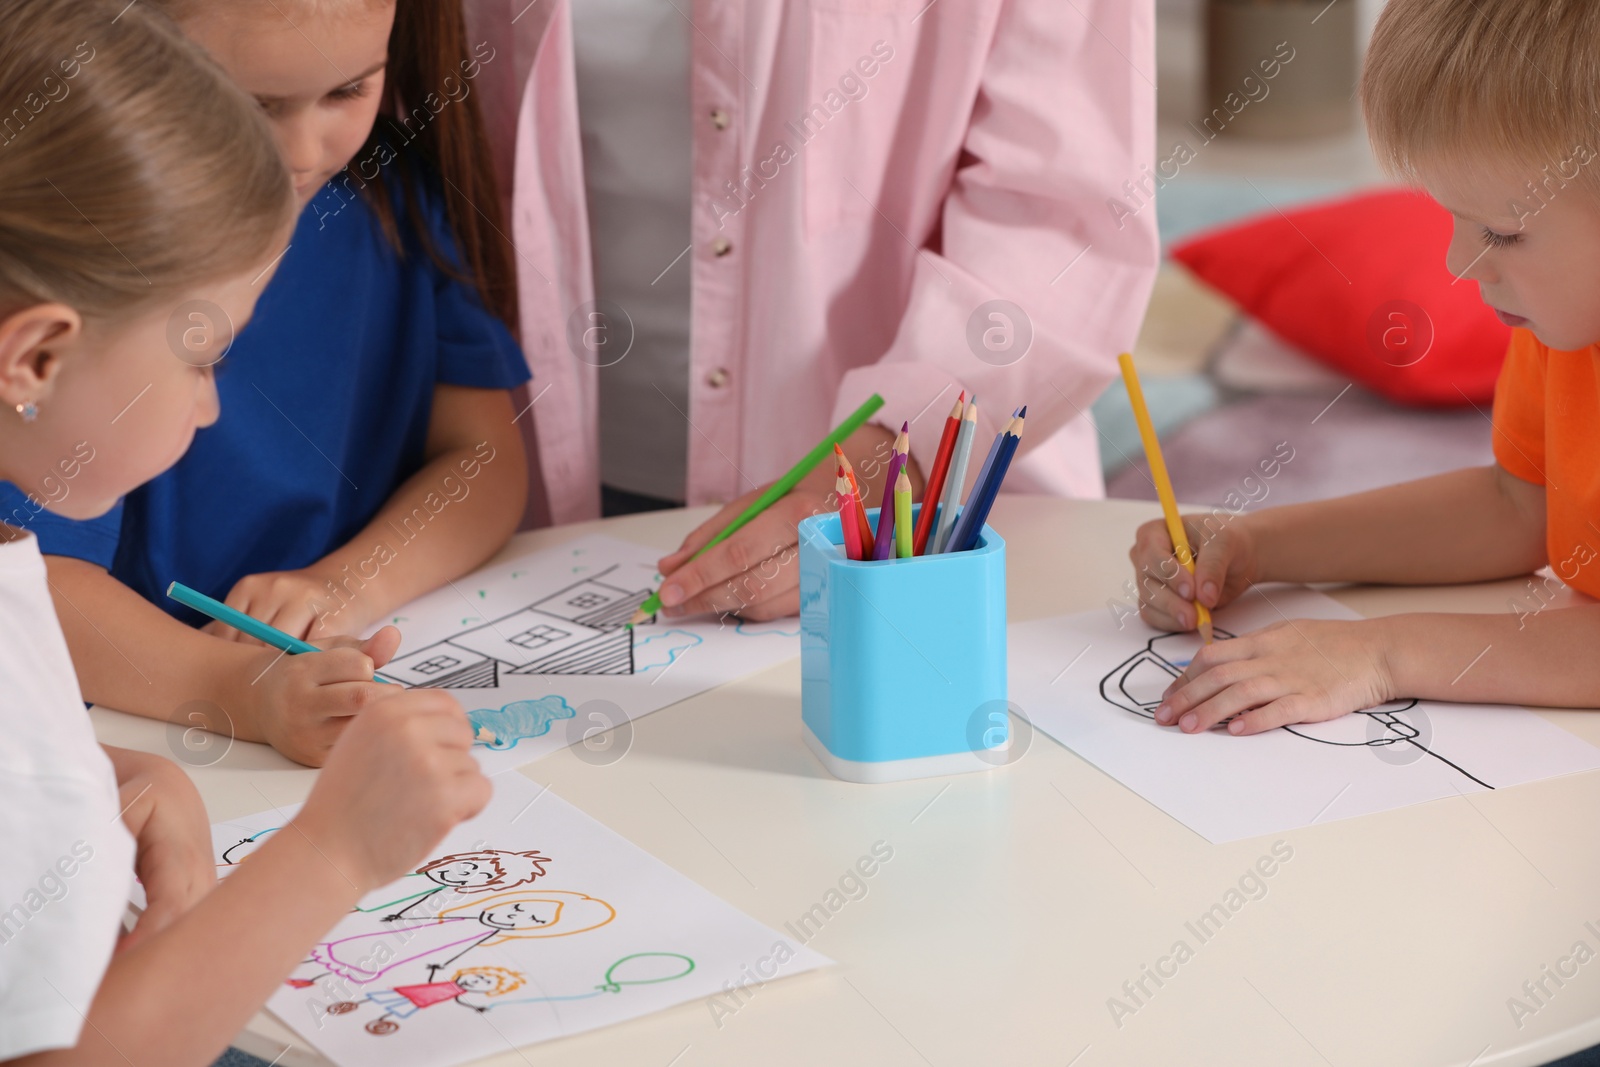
(1158,473)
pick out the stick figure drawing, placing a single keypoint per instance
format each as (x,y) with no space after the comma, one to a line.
(442,940)
(469,987)
(1136,684)
(483,871)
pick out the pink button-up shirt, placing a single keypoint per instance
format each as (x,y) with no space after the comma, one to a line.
(870,178)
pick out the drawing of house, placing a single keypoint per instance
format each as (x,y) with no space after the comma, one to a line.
(578,630)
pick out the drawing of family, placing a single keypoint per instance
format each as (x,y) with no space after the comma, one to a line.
(473,987)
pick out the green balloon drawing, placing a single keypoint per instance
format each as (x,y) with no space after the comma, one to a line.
(639,968)
(656,967)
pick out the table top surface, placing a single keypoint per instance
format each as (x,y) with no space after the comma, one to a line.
(1018,902)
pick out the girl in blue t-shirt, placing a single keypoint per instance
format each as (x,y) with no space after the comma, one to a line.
(370,451)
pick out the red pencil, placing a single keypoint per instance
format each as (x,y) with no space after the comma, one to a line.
(847,518)
(941,467)
(863,524)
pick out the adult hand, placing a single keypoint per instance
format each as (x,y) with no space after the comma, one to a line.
(755,574)
(1298,671)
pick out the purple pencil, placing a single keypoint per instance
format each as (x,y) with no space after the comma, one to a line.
(883,544)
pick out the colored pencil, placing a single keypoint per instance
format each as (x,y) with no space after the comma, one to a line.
(1159,475)
(776,491)
(863,524)
(976,513)
(983,476)
(957,475)
(883,544)
(936,476)
(267,635)
(902,516)
(847,517)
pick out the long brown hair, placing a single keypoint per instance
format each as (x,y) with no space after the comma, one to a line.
(427,52)
(132,169)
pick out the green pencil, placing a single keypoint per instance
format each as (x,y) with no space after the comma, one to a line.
(902,516)
(775,492)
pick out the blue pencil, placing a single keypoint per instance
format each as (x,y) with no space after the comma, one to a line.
(958,532)
(983,476)
(268,635)
(980,507)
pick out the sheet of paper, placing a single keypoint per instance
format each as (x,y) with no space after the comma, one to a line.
(537,652)
(531,922)
(1094,688)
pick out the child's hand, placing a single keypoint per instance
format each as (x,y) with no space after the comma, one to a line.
(1225,566)
(174,859)
(400,778)
(289,601)
(1298,671)
(300,704)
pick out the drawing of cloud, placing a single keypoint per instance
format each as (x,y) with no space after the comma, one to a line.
(660,650)
(764,629)
(502,728)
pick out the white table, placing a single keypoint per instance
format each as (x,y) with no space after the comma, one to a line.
(1017,902)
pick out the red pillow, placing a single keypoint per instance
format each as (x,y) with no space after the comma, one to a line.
(1361,285)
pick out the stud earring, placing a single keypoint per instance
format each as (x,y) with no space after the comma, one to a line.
(29,411)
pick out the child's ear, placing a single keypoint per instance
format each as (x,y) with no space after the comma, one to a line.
(30,340)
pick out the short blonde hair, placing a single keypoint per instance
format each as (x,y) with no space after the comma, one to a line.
(1510,80)
(132,169)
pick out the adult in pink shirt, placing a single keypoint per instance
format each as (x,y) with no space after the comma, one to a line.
(869,177)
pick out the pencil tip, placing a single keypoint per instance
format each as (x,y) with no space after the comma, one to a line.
(905,427)
(1023,413)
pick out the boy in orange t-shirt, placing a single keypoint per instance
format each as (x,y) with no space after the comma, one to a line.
(1488,105)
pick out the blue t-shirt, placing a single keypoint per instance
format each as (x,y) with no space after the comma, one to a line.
(326,397)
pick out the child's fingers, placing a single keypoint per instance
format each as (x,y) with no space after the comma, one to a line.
(1285,711)
(1211,568)
(1155,561)
(1249,692)
(382,646)
(341,700)
(1166,610)
(341,663)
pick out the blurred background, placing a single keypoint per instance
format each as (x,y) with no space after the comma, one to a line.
(1265,345)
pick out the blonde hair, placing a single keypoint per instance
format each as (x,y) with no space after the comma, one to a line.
(1516,81)
(131,168)
(505,979)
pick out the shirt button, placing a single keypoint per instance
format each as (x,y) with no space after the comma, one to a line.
(721,246)
(717,378)
(719,118)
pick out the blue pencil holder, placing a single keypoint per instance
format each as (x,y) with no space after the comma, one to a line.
(902,661)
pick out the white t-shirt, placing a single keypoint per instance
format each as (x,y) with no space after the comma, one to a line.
(632,59)
(67,859)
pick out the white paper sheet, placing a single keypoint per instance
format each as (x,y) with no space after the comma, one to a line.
(605,934)
(1094,688)
(536,650)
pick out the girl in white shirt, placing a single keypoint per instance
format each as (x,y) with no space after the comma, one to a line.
(143,205)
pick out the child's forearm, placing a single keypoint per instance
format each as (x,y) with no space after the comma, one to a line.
(131,655)
(1546,659)
(179,997)
(444,521)
(1465,526)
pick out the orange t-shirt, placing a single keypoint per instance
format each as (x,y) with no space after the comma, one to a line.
(1547,431)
